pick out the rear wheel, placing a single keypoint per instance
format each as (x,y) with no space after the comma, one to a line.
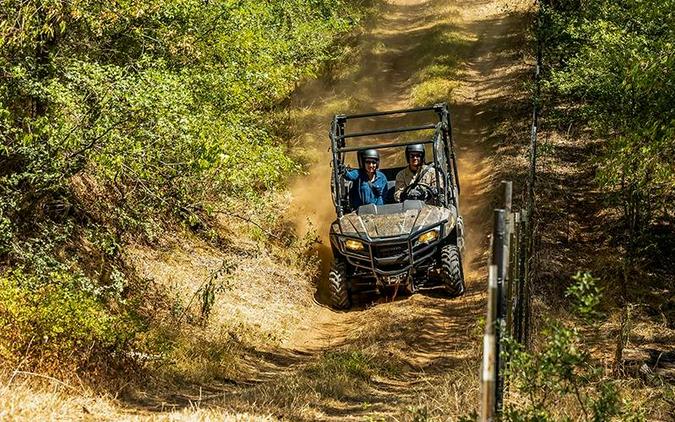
(337,285)
(451,270)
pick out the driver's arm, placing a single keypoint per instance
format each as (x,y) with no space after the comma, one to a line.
(400,186)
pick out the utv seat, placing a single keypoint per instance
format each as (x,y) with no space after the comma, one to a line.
(391,188)
(391,173)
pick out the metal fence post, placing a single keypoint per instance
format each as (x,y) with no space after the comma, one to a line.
(525,265)
(518,278)
(488,403)
(498,258)
(498,238)
(507,192)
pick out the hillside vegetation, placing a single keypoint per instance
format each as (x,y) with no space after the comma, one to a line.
(606,180)
(613,64)
(609,102)
(120,120)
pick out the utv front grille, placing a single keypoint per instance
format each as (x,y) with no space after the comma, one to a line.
(386,251)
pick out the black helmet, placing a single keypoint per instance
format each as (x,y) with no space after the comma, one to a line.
(414,148)
(372,154)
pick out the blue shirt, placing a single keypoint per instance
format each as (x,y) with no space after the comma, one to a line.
(364,192)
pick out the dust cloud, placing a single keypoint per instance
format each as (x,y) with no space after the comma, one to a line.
(386,66)
(312,208)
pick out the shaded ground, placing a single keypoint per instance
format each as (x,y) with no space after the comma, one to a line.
(579,230)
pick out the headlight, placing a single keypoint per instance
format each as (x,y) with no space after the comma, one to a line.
(353,245)
(428,237)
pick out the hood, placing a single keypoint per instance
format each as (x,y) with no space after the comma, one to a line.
(393,220)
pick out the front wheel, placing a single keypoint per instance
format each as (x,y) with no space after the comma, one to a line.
(451,270)
(337,285)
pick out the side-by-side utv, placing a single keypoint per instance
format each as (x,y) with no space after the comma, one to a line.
(415,243)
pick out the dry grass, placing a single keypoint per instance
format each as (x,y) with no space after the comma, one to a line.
(35,397)
(26,400)
(188,361)
(261,292)
(451,396)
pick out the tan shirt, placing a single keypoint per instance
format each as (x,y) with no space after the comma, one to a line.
(406,176)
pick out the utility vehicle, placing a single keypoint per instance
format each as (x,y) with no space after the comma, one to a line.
(414,244)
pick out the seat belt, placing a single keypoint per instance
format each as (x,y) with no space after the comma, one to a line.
(420,175)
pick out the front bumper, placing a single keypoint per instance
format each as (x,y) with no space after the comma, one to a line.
(391,256)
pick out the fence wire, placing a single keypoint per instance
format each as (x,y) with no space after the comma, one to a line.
(510,270)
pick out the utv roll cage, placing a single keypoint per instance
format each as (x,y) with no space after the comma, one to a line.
(441,142)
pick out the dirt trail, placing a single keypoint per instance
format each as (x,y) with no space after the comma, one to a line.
(478,37)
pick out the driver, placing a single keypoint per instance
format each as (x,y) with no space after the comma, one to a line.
(369,184)
(416,173)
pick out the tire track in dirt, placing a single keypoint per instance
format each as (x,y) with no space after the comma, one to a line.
(434,334)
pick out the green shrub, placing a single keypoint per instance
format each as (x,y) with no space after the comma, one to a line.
(560,381)
(54,323)
(612,62)
(165,104)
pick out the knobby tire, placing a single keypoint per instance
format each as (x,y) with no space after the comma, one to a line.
(451,269)
(338,287)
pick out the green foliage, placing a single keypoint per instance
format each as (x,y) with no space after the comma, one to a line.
(615,61)
(56,322)
(164,103)
(563,372)
(118,116)
(586,296)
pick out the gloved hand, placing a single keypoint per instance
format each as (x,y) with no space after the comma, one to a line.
(415,193)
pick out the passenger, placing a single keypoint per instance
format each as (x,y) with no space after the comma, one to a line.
(369,184)
(417,172)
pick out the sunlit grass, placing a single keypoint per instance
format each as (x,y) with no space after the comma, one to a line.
(433,91)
